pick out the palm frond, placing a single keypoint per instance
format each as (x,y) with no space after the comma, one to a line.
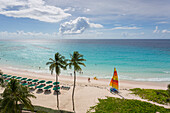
(82,64)
(49,63)
(81,59)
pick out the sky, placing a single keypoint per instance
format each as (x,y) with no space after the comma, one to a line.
(84,19)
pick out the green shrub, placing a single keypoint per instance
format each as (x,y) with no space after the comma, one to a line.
(168,89)
(116,105)
(159,96)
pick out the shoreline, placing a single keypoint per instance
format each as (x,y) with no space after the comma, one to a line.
(86,94)
(102,82)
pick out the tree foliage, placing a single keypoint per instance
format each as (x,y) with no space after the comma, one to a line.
(57,64)
(13,95)
(76,61)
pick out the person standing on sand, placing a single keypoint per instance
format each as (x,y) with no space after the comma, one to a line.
(88,79)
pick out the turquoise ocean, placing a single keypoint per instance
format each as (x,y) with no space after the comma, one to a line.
(139,60)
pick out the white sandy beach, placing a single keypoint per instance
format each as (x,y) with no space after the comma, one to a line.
(86,94)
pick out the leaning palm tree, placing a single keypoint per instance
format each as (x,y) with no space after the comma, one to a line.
(75,61)
(14,95)
(57,64)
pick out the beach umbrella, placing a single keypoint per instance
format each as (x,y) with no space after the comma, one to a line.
(24,84)
(9,76)
(28,80)
(40,86)
(4,75)
(47,87)
(48,82)
(18,78)
(56,83)
(42,81)
(13,76)
(6,80)
(56,88)
(24,79)
(35,80)
(31,85)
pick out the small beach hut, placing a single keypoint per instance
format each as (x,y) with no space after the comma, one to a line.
(114,80)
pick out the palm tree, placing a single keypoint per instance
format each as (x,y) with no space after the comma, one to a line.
(57,64)
(13,95)
(75,61)
(2,82)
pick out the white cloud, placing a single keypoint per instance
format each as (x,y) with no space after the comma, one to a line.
(165,31)
(77,26)
(125,28)
(34,9)
(156,30)
(162,22)
(112,10)
(130,35)
(69,9)
(86,10)
(22,34)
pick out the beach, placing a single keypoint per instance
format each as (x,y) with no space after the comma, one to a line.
(86,93)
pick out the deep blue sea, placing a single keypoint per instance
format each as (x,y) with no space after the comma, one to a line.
(139,60)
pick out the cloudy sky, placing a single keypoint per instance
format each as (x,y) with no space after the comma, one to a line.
(85,19)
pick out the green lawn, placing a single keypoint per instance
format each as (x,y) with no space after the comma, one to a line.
(159,96)
(116,105)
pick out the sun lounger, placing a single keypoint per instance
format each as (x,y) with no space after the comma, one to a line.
(40,90)
(65,87)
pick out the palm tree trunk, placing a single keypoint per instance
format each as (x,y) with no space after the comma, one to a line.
(73,90)
(57,91)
